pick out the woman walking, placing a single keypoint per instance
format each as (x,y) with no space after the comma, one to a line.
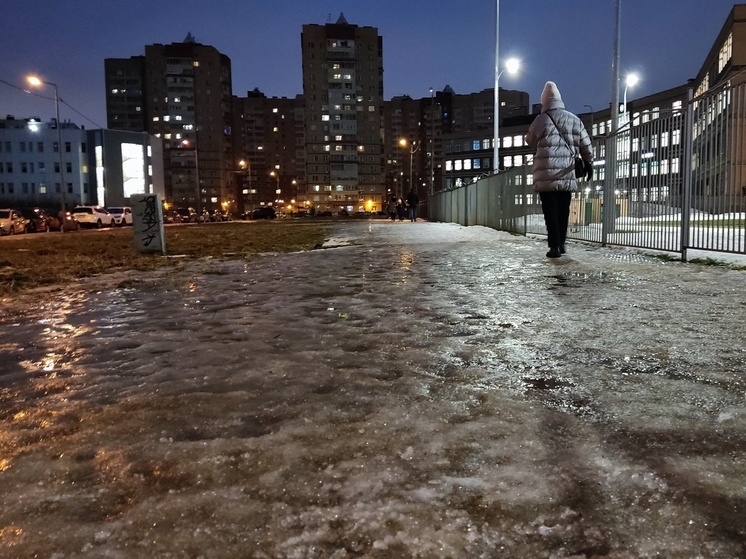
(558,136)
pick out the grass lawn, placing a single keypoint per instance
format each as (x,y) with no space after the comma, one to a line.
(34,260)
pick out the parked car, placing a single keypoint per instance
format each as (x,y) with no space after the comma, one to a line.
(36,220)
(171,216)
(267,212)
(11,222)
(93,216)
(54,219)
(122,215)
(326,213)
(188,215)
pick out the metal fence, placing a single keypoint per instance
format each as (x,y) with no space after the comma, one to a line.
(677,175)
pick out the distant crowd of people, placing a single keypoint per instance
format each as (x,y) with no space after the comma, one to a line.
(399,208)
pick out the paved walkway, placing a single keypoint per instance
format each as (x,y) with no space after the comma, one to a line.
(421,390)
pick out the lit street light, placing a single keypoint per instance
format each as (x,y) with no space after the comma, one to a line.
(630,81)
(511,66)
(412,150)
(186,143)
(36,82)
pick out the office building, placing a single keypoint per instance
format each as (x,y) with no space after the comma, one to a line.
(97,167)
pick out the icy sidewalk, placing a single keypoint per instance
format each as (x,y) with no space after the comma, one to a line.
(421,390)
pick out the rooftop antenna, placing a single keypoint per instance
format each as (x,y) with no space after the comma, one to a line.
(329,18)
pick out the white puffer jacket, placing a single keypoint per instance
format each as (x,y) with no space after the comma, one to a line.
(554,161)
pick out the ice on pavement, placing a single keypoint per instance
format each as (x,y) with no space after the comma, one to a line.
(418,390)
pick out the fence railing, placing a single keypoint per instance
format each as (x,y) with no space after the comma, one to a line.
(678,178)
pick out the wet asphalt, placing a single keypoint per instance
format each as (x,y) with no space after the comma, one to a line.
(409,390)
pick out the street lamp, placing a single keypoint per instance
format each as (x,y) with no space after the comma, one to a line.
(413,148)
(432,142)
(36,82)
(630,81)
(277,176)
(511,65)
(186,143)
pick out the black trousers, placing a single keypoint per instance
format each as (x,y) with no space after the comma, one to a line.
(556,208)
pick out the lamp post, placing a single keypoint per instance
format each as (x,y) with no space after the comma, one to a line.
(630,81)
(413,148)
(511,65)
(186,143)
(36,82)
(276,175)
(432,141)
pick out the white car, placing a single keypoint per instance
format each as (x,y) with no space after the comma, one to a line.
(93,216)
(12,222)
(122,215)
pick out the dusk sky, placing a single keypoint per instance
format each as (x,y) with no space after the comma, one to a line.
(425,44)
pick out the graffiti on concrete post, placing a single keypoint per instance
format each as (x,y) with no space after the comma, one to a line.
(147,221)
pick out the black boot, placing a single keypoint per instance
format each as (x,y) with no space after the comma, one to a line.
(562,248)
(554,252)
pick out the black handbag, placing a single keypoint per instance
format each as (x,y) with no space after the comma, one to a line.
(581,167)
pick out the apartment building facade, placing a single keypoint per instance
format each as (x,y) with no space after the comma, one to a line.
(437,127)
(343,94)
(269,151)
(183,90)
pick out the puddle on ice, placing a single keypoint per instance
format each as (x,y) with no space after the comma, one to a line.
(459,409)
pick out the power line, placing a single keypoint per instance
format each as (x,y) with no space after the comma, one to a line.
(61,100)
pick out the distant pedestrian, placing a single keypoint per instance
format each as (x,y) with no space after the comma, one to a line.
(558,136)
(412,201)
(400,209)
(392,208)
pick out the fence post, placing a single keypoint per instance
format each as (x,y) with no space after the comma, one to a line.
(686,202)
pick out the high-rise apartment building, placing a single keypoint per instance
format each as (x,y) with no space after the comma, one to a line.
(425,123)
(343,93)
(268,151)
(183,92)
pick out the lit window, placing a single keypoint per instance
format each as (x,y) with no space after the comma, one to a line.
(467,164)
(324,117)
(477,164)
(371,109)
(337,148)
(156,119)
(507,142)
(177,117)
(507,161)
(166,118)
(338,138)
(457,165)
(517,141)
(449,165)
(518,160)
(275,129)
(486,144)
(195,63)
(475,145)
(275,109)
